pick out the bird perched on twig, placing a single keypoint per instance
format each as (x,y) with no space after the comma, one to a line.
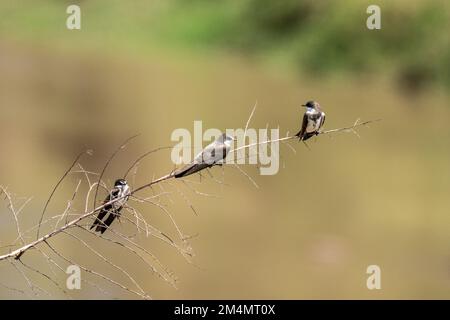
(313,120)
(120,191)
(213,154)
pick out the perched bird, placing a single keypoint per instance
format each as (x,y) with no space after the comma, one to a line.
(120,191)
(213,154)
(313,120)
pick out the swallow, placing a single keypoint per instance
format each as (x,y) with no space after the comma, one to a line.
(120,191)
(313,120)
(212,155)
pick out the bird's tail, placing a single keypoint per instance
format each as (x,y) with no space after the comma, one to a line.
(103,225)
(305,136)
(309,135)
(95,223)
(191,169)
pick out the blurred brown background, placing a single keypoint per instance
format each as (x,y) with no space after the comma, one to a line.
(308,232)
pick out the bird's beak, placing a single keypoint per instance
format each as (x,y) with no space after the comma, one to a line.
(303,105)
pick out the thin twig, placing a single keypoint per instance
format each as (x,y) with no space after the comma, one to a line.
(13,211)
(18,252)
(56,187)
(97,273)
(139,159)
(123,145)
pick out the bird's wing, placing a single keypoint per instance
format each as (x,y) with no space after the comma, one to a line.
(105,209)
(223,152)
(323,120)
(304,125)
(105,224)
(213,153)
(191,169)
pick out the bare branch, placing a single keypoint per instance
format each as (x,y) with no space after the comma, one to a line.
(98,274)
(139,159)
(56,187)
(13,211)
(344,129)
(108,262)
(246,175)
(122,146)
(44,275)
(159,197)
(350,128)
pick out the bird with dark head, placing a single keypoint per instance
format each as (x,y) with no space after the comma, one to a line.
(313,120)
(121,192)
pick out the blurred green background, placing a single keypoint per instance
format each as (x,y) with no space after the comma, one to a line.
(150,67)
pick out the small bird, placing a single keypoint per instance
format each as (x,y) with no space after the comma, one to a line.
(213,154)
(313,120)
(120,191)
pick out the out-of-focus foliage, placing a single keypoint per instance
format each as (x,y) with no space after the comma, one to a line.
(326,36)
(315,37)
